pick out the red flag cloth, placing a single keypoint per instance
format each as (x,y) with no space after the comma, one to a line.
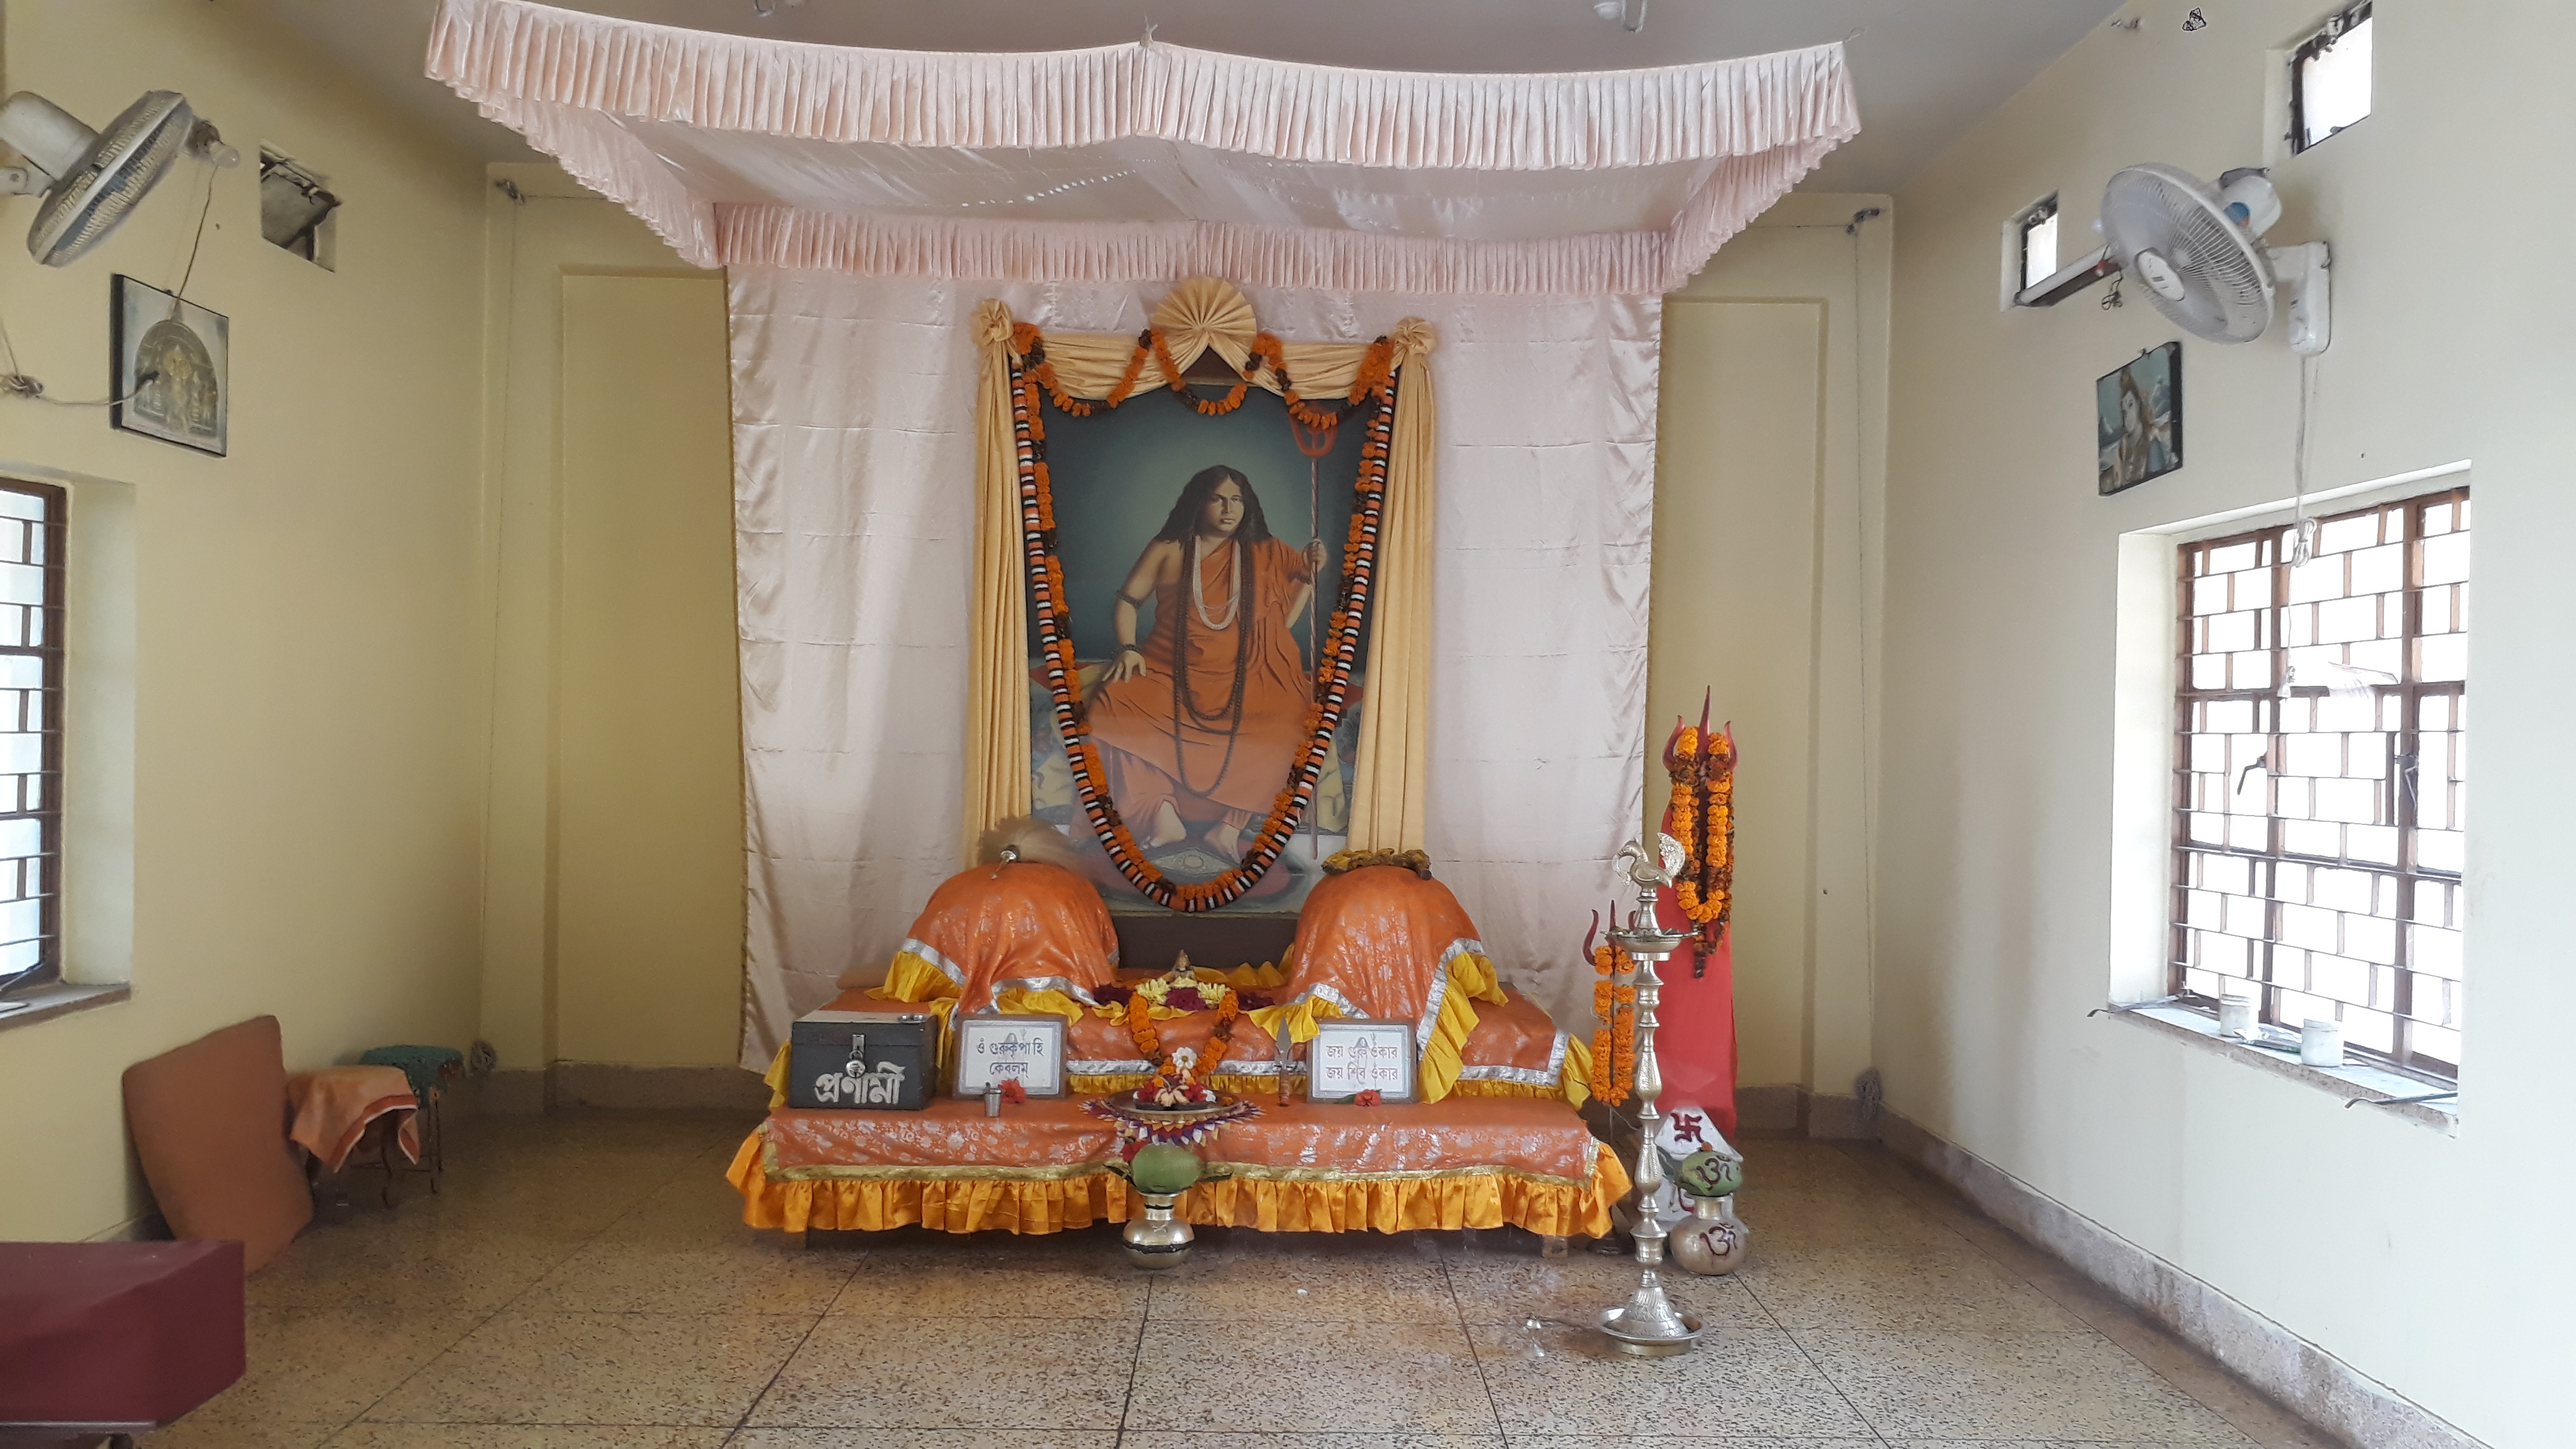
(1695,1024)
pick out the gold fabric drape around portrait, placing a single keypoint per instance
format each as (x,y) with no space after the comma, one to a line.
(1391,762)
(997,679)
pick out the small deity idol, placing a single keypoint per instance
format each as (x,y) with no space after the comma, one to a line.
(1177,1084)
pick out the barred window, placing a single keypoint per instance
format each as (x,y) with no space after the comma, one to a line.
(31,732)
(2318,777)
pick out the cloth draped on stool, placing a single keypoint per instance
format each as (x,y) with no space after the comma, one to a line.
(334,1106)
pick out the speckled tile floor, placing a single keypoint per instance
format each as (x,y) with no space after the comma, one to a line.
(585,1281)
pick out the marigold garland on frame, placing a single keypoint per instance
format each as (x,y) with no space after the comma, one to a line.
(1372,395)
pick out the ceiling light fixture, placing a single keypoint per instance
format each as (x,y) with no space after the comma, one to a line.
(1631,14)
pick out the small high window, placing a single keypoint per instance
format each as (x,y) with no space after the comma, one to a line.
(2330,78)
(296,210)
(2039,243)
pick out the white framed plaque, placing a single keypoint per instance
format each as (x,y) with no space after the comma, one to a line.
(992,1050)
(1347,1058)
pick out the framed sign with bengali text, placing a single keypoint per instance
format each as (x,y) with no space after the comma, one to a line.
(994,1049)
(1347,1058)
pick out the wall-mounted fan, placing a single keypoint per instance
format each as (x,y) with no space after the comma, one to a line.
(2198,250)
(92,180)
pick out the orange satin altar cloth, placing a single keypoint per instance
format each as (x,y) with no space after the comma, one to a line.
(1476,1162)
(987,925)
(1376,941)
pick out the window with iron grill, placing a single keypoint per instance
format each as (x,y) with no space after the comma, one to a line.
(2319,787)
(31,732)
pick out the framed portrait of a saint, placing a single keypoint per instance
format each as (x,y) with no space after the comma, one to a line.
(1200,557)
(2137,418)
(172,373)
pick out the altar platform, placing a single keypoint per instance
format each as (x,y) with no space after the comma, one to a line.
(1043,1167)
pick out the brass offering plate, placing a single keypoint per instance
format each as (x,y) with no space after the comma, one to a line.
(1130,1103)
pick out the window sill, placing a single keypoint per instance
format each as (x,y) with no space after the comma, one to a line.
(2355,1082)
(61,998)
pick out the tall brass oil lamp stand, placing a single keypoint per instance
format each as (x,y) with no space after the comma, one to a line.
(1648,1325)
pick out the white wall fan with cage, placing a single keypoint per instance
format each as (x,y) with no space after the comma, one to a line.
(2197,252)
(90,181)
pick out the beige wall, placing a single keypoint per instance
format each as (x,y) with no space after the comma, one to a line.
(615,872)
(1769,463)
(289,634)
(648,857)
(2424,1259)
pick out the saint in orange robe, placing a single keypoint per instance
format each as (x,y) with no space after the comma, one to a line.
(1200,754)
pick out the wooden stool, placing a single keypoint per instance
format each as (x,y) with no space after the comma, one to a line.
(430,1069)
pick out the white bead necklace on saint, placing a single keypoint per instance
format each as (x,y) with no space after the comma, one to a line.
(1198,584)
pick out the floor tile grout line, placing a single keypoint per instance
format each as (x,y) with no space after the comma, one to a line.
(1135,1365)
(504,1306)
(1908,1182)
(743,1423)
(1475,1355)
(1830,1382)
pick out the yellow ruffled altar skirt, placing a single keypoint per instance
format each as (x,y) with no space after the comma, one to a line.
(968,1199)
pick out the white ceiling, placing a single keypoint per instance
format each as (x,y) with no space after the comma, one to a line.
(1925,70)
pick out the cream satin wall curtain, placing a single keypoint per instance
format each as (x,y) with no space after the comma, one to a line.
(864,201)
(856,531)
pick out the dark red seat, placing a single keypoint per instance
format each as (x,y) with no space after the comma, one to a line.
(115,1337)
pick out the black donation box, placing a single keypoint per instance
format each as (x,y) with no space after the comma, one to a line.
(865,1059)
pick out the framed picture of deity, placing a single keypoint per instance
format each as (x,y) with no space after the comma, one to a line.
(172,363)
(1201,558)
(2137,419)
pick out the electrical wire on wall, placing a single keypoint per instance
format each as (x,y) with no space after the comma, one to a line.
(15,383)
(1868,1088)
(2303,529)
(1861,566)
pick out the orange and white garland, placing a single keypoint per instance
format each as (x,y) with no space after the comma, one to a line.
(1372,396)
(1703,819)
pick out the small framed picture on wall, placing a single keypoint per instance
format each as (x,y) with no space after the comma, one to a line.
(173,368)
(2137,416)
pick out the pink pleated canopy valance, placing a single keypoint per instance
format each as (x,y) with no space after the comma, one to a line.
(1149,161)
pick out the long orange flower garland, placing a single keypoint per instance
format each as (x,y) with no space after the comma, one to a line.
(1705,891)
(1032,376)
